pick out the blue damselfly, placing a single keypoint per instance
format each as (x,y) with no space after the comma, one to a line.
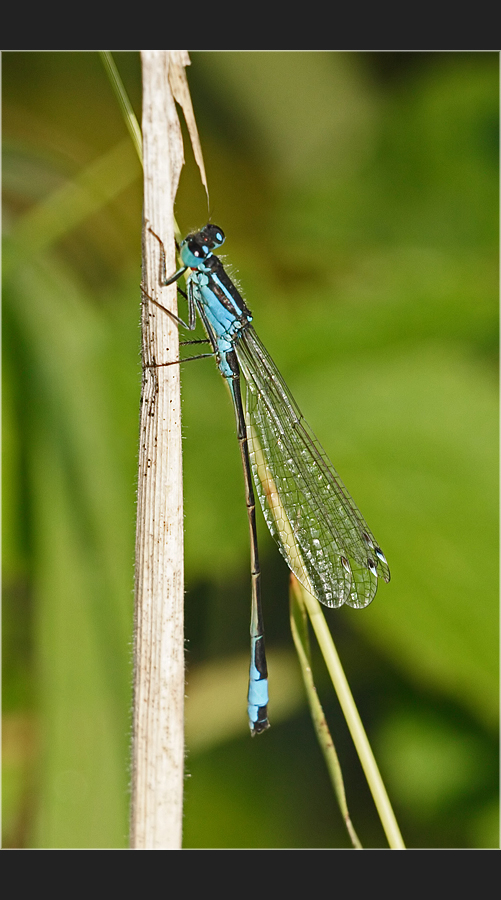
(317,526)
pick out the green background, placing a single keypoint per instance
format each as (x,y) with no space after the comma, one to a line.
(359,196)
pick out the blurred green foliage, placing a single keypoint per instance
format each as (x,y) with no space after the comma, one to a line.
(359,195)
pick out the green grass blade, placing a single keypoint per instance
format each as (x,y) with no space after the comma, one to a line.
(123,99)
(353,720)
(299,630)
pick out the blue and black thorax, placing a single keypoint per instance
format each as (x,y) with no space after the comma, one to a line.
(220,305)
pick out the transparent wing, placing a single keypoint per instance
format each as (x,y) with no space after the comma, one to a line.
(319,530)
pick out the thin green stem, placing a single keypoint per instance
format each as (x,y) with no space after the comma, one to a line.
(353,720)
(123,99)
(299,630)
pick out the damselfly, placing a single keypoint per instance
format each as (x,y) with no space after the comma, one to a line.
(319,530)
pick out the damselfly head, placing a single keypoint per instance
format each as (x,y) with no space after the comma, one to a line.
(199,244)
(213,235)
